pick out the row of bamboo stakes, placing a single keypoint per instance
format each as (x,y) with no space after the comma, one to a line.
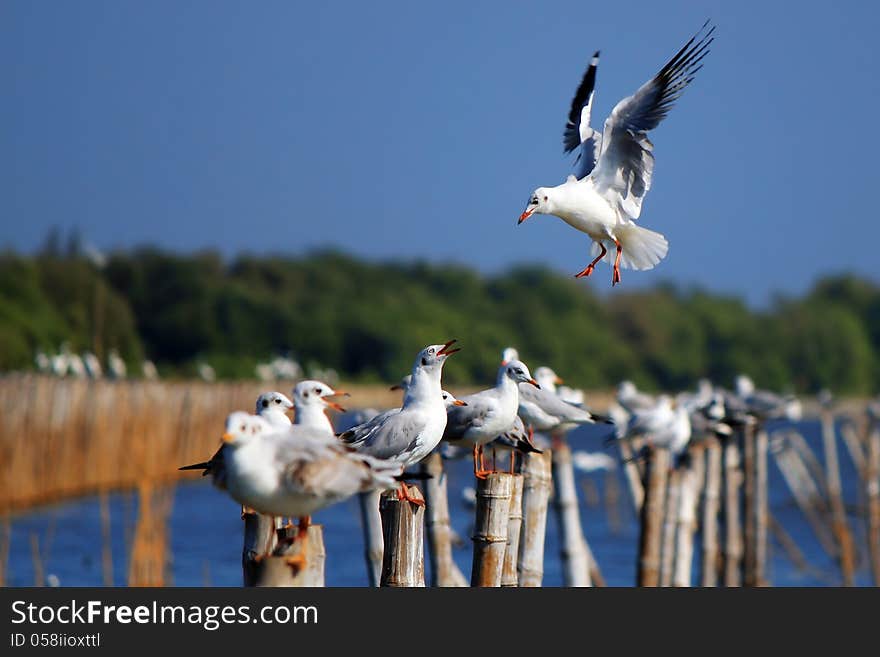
(63,438)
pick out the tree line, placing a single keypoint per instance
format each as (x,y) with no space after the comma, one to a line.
(367,319)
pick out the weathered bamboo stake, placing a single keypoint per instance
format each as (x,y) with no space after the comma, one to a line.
(750,515)
(656,472)
(762,507)
(795,555)
(670,517)
(755,466)
(733,540)
(855,449)
(509,575)
(711,501)
(633,477)
(490,528)
(296,562)
(403,561)
(612,501)
(687,524)
(872,486)
(839,525)
(259,541)
(536,495)
(805,493)
(371,524)
(812,466)
(106,540)
(573,550)
(444,571)
(597,579)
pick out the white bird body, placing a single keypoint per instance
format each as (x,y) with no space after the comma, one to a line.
(297,471)
(614,169)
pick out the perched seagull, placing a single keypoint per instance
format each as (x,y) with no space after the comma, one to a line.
(766,405)
(489,413)
(613,170)
(517,439)
(297,471)
(272,407)
(664,425)
(311,399)
(408,434)
(543,410)
(629,397)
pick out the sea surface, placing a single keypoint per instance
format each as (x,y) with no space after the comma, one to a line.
(205,532)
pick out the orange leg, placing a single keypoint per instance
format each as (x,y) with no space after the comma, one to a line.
(512,460)
(403,494)
(615,277)
(482,472)
(304,524)
(586,271)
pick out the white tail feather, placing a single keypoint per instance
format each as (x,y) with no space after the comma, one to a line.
(642,248)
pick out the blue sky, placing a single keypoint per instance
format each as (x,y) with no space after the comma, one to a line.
(418,130)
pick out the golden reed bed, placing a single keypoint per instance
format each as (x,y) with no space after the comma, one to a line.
(60,438)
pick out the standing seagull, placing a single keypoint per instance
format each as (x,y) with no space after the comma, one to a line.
(613,170)
(488,413)
(408,434)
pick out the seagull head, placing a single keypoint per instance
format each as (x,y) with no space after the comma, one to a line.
(547,378)
(517,371)
(270,401)
(450,400)
(242,428)
(539,202)
(434,355)
(317,393)
(508,355)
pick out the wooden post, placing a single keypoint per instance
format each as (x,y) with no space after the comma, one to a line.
(839,525)
(403,562)
(670,517)
(711,502)
(536,494)
(805,492)
(444,571)
(259,541)
(371,525)
(856,450)
(575,560)
(872,485)
(755,467)
(733,541)
(633,477)
(656,472)
(490,528)
(509,575)
(687,524)
(296,562)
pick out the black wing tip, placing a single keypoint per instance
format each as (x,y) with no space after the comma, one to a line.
(596,54)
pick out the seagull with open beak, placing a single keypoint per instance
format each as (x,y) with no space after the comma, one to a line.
(409,433)
(311,399)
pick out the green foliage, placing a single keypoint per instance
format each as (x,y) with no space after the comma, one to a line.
(367,320)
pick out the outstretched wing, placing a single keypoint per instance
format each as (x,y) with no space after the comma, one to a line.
(578,132)
(626,163)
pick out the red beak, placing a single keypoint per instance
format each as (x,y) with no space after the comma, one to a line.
(525,215)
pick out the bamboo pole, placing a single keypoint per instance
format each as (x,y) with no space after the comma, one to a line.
(854,447)
(509,575)
(670,516)
(371,524)
(490,528)
(805,493)
(839,526)
(812,465)
(733,540)
(711,501)
(259,541)
(573,550)
(444,571)
(536,495)
(687,524)
(298,561)
(656,472)
(633,477)
(403,561)
(755,467)
(872,486)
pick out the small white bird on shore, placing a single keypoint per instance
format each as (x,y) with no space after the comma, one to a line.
(614,169)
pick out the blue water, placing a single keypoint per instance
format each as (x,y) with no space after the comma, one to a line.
(205,533)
